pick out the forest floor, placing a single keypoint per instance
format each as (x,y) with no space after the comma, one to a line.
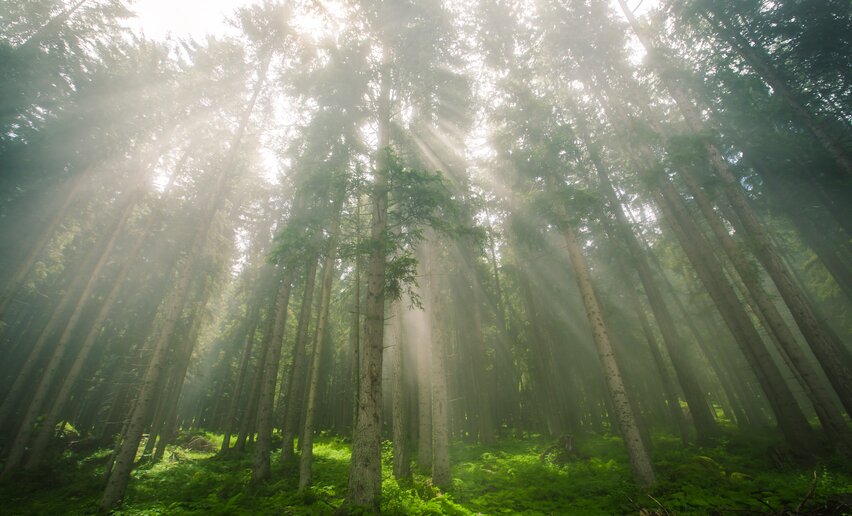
(515,476)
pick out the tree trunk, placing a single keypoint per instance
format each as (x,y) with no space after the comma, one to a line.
(424,405)
(790,418)
(234,406)
(27,425)
(365,474)
(84,279)
(293,395)
(832,355)
(117,483)
(401,464)
(640,460)
(269,377)
(13,284)
(248,421)
(306,443)
(168,425)
(829,415)
(441,475)
(705,424)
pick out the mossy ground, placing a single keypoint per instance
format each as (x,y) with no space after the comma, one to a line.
(732,476)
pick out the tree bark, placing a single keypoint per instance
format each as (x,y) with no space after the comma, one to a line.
(401,463)
(829,415)
(365,474)
(441,475)
(234,406)
(705,424)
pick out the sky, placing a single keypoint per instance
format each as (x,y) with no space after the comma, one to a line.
(195,18)
(182,18)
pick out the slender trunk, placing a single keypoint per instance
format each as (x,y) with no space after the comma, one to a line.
(60,399)
(355,330)
(795,199)
(13,284)
(829,415)
(120,475)
(669,389)
(424,406)
(640,460)
(306,443)
(705,424)
(832,355)
(507,383)
(790,418)
(293,395)
(269,377)
(168,425)
(14,395)
(51,371)
(248,421)
(234,406)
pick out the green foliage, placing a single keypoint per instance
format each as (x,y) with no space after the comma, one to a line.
(509,478)
(418,199)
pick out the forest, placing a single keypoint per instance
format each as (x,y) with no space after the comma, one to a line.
(427,257)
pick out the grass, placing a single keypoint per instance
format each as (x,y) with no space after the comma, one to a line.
(734,475)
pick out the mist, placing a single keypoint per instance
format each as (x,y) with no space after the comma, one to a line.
(425,257)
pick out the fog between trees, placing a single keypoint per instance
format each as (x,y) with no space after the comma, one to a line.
(424,222)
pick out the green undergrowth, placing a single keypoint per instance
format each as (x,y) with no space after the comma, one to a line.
(734,475)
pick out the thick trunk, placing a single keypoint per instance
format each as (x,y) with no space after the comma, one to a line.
(365,474)
(441,476)
(401,463)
